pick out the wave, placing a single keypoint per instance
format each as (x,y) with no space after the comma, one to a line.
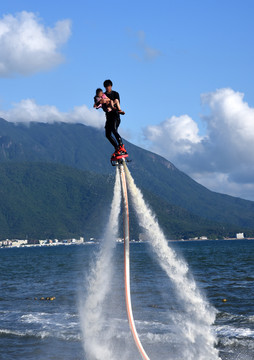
(41,334)
(238,332)
(56,319)
(26,333)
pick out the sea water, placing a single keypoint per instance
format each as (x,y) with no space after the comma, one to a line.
(31,328)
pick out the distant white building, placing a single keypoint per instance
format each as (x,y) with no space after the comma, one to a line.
(240,235)
(7,242)
(18,243)
(42,242)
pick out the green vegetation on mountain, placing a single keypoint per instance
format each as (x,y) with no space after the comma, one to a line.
(79,155)
(40,200)
(48,201)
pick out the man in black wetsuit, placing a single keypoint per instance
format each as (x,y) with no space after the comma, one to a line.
(113,121)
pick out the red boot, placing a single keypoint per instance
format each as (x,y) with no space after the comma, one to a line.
(121,150)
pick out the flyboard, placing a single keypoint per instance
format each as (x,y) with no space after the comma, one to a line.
(121,163)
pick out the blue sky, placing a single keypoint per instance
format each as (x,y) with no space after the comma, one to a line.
(161,57)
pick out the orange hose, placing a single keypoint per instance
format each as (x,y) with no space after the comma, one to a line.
(127,265)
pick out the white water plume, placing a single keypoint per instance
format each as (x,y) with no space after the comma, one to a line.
(194,320)
(96,333)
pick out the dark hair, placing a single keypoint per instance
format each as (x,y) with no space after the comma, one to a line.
(97,91)
(107,83)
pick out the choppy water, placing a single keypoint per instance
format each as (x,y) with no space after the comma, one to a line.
(36,329)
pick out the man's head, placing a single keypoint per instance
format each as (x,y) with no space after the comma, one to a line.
(108,85)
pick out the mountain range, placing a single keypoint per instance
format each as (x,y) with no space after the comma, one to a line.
(56,180)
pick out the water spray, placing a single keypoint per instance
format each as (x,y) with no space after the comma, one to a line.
(194,322)
(96,335)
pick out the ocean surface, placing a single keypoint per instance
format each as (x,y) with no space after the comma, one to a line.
(31,328)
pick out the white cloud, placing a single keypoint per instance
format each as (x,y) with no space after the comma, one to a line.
(27,46)
(145,52)
(28,110)
(175,135)
(223,159)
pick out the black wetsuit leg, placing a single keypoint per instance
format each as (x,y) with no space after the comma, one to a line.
(111,126)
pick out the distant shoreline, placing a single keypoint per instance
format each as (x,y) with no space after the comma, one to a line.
(225,239)
(96,242)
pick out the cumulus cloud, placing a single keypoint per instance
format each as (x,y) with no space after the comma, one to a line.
(145,52)
(27,46)
(222,159)
(177,135)
(28,110)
